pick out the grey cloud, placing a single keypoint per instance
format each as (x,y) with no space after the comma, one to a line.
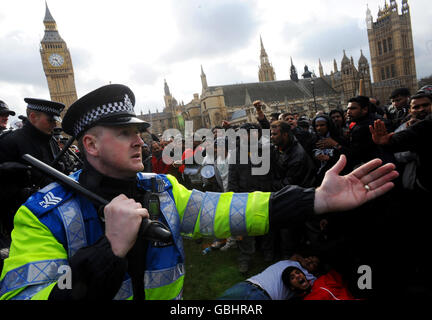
(224,73)
(81,58)
(423,53)
(212,28)
(317,41)
(145,74)
(21,61)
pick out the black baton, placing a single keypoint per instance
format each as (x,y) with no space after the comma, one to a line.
(152,230)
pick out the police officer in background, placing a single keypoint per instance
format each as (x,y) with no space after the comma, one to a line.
(17,182)
(5,112)
(108,255)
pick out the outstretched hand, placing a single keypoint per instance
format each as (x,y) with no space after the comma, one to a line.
(341,193)
(379,133)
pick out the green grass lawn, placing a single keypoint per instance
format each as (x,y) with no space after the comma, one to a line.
(208,276)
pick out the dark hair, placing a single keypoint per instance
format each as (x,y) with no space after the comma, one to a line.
(286,275)
(334,133)
(336,111)
(362,101)
(283,126)
(403,92)
(275,115)
(420,95)
(287,114)
(303,124)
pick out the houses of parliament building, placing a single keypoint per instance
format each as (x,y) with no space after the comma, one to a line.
(392,66)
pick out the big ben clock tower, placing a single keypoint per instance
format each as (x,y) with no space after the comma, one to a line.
(57,64)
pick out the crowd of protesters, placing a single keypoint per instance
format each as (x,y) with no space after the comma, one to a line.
(380,234)
(389,234)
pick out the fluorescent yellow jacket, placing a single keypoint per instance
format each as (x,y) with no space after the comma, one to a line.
(55,223)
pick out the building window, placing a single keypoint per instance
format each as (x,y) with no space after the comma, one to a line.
(390,44)
(388,72)
(379,48)
(393,70)
(407,67)
(385,45)
(382,74)
(405,41)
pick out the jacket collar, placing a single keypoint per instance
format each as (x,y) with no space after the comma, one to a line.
(105,186)
(35,132)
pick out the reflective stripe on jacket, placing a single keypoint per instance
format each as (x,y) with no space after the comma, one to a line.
(54,224)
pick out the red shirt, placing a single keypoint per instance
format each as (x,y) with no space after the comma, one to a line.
(329,287)
(159,167)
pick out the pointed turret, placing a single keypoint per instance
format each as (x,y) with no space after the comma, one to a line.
(335,66)
(307,74)
(321,70)
(166,89)
(203,79)
(266,71)
(51,33)
(48,16)
(248,100)
(263,51)
(294,74)
(362,59)
(345,59)
(369,18)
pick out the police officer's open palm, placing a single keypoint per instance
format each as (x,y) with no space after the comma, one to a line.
(123,217)
(340,193)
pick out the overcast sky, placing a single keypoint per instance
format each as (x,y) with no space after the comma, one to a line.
(141,43)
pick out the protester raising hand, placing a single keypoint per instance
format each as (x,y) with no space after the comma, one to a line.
(379,133)
(340,193)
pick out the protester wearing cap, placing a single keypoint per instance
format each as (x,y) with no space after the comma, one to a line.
(107,257)
(5,112)
(34,138)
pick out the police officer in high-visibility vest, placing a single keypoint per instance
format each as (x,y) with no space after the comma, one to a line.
(57,227)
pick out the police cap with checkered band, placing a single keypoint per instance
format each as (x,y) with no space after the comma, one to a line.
(48,107)
(4,109)
(109,106)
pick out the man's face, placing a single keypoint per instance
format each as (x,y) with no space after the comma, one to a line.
(291,120)
(298,281)
(337,119)
(400,102)
(321,128)
(355,112)
(273,119)
(277,137)
(311,264)
(44,122)
(420,108)
(4,120)
(156,147)
(120,151)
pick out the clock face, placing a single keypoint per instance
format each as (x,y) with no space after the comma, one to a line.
(56,60)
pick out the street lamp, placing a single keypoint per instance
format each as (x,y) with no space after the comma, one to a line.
(313,93)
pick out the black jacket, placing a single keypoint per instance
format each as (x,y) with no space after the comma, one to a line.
(240,178)
(416,138)
(292,166)
(361,148)
(16,187)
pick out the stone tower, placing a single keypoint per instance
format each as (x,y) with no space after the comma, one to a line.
(57,63)
(266,71)
(293,72)
(392,49)
(364,74)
